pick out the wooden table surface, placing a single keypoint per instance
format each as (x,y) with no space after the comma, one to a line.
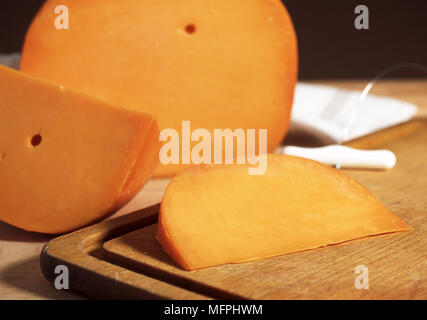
(20,276)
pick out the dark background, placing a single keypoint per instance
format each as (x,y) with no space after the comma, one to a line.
(330,46)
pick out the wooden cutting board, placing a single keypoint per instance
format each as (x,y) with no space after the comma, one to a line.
(120,258)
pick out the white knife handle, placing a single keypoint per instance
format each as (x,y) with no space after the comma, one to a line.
(346,157)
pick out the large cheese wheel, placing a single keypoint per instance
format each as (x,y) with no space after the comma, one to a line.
(218,63)
(67,160)
(213,215)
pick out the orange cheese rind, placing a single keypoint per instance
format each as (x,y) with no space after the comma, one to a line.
(236,68)
(90,157)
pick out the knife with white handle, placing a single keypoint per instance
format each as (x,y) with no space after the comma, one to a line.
(345,157)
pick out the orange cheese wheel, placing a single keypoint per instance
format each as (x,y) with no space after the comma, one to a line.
(214,215)
(217,63)
(67,160)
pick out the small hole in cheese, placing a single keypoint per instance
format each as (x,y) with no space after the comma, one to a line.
(36,140)
(190,28)
(3,156)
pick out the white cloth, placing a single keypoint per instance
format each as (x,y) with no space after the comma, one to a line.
(326,111)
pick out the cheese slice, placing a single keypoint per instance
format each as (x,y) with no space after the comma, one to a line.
(214,215)
(67,160)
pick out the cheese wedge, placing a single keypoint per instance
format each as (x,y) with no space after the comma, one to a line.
(67,160)
(217,63)
(214,215)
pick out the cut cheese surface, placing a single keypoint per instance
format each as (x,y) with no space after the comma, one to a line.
(217,63)
(67,160)
(214,215)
